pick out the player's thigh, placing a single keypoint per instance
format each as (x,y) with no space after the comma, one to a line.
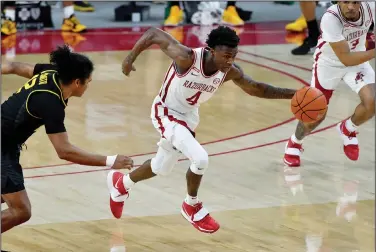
(184,140)
(165,159)
(359,77)
(18,201)
(12,179)
(326,79)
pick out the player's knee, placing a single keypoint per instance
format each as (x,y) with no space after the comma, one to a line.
(165,159)
(21,214)
(24,215)
(200,162)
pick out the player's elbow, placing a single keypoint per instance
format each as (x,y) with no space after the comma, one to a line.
(64,152)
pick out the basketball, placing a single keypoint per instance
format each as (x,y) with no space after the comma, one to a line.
(308,104)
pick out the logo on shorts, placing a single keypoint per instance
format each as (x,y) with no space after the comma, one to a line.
(359,77)
(216,81)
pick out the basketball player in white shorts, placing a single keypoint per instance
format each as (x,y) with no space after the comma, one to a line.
(192,78)
(341,55)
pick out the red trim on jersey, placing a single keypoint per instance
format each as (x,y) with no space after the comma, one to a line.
(189,69)
(202,65)
(173,119)
(158,118)
(321,44)
(165,78)
(223,79)
(335,14)
(369,12)
(167,86)
(170,117)
(327,93)
(352,24)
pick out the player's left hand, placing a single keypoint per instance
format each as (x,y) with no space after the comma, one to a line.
(128,66)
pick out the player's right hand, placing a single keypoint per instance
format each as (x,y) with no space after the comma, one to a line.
(128,66)
(123,162)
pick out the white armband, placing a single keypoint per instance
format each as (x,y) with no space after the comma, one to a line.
(111,160)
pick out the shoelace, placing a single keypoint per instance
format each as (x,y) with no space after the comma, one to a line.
(297,146)
(351,135)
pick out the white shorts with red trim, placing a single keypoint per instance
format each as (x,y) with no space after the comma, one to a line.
(164,119)
(326,77)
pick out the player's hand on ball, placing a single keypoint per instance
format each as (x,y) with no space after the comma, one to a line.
(128,66)
(123,162)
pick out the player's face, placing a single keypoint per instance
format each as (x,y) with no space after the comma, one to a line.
(350,9)
(224,57)
(81,87)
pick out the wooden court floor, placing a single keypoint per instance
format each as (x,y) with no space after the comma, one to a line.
(260,204)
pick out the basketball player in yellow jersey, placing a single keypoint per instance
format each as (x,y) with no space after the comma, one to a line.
(42,101)
(192,79)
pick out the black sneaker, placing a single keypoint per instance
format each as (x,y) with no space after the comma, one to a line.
(308,46)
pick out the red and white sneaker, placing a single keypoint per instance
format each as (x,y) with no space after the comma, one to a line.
(118,193)
(350,141)
(199,217)
(292,153)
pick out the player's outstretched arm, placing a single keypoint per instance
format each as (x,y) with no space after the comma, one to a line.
(50,110)
(180,54)
(256,88)
(71,153)
(19,68)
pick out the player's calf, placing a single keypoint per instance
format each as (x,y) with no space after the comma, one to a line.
(348,128)
(18,212)
(294,146)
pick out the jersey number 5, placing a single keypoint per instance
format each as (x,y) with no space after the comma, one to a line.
(193,99)
(354,43)
(31,83)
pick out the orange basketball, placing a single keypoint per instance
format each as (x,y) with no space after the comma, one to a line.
(308,104)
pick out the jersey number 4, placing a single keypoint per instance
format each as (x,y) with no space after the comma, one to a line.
(354,43)
(194,98)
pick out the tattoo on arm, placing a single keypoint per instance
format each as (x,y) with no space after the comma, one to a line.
(19,68)
(263,90)
(142,44)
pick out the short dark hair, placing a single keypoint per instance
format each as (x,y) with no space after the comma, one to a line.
(70,65)
(222,36)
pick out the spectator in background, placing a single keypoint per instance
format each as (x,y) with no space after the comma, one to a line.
(230,15)
(70,21)
(307,20)
(176,15)
(83,6)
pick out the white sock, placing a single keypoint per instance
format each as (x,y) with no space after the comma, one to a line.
(191,200)
(350,125)
(128,183)
(295,140)
(10,14)
(68,11)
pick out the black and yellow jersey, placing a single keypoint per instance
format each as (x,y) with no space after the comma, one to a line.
(38,102)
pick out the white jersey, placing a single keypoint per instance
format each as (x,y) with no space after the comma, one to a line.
(334,28)
(184,92)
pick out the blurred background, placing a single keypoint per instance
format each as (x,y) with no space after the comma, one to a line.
(22,20)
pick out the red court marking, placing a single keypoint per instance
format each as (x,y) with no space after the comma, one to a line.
(277,61)
(219,140)
(210,155)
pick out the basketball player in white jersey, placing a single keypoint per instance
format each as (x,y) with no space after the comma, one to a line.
(192,78)
(341,55)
